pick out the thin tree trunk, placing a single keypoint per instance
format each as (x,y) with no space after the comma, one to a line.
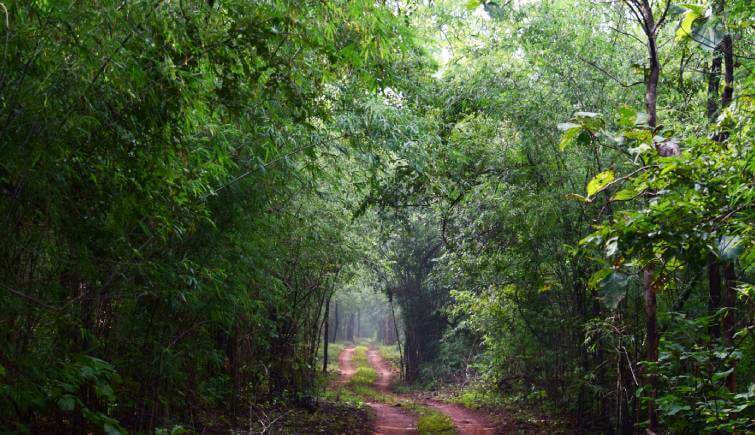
(398,339)
(651,328)
(235,375)
(649,296)
(326,337)
(729,320)
(714,79)
(356,326)
(714,293)
(350,328)
(335,323)
(728,51)
(714,268)
(729,297)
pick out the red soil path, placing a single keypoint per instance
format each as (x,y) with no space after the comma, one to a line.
(467,422)
(345,366)
(389,420)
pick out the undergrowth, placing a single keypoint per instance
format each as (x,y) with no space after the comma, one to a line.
(434,422)
(365,376)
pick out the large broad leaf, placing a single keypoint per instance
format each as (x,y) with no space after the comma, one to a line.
(626,194)
(67,402)
(590,121)
(473,4)
(730,247)
(627,116)
(599,182)
(708,33)
(597,277)
(566,126)
(685,27)
(570,135)
(613,289)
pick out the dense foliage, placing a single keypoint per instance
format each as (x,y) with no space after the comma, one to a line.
(560,247)
(171,201)
(555,197)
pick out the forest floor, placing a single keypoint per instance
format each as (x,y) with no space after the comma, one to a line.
(401,413)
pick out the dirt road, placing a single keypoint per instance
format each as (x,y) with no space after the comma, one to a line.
(394,420)
(467,422)
(389,420)
(345,365)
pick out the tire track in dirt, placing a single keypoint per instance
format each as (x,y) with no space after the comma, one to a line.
(467,422)
(345,365)
(389,420)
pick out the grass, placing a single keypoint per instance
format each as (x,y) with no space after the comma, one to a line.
(360,356)
(344,395)
(364,376)
(360,389)
(431,421)
(390,353)
(334,349)
(475,399)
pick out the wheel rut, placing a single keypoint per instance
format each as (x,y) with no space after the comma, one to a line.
(466,421)
(389,419)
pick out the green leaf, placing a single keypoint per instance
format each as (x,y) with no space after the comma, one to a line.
(111,430)
(67,403)
(599,182)
(598,277)
(569,137)
(675,408)
(473,4)
(590,121)
(613,289)
(579,198)
(566,126)
(730,247)
(625,195)
(719,376)
(627,116)
(685,27)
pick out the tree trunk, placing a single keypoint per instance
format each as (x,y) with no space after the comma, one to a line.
(235,375)
(714,268)
(651,328)
(356,326)
(729,297)
(714,293)
(350,328)
(398,338)
(335,323)
(325,338)
(651,92)
(714,78)
(728,52)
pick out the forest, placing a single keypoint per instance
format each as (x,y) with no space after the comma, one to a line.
(377,216)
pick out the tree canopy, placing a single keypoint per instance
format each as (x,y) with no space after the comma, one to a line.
(547,202)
